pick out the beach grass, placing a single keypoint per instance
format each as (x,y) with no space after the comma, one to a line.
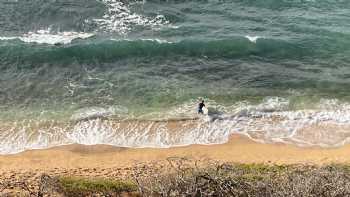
(77,186)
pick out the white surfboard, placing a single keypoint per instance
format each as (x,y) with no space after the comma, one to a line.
(205,110)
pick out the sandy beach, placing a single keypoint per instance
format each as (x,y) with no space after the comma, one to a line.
(24,171)
(238,149)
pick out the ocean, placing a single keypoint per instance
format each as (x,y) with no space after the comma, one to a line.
(131,73)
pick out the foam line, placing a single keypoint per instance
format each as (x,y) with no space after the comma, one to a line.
(46,37)
(268,122)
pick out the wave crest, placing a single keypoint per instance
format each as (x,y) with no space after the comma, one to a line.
(49,37)
(114,50)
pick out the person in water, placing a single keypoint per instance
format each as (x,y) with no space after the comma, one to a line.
(200,107)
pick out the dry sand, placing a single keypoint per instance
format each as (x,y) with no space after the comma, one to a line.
(23,172)
(238,149)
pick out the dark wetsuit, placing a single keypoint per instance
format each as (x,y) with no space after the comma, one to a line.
(200,108)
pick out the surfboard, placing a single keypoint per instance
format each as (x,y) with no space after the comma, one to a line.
(205,110)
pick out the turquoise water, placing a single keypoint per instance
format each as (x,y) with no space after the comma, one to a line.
(152,60)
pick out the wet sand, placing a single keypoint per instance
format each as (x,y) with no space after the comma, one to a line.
(238,149)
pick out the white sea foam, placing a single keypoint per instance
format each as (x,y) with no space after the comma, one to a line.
(268,122)
(160,41)
(118,18)
(253,38)
(49,37)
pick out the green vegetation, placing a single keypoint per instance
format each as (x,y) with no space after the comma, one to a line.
(73,186)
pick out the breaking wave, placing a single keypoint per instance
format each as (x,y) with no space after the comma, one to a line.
(49,37)
(119,19)
(116,49)
(268,122)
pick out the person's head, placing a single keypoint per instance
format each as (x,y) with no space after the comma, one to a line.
(202,100)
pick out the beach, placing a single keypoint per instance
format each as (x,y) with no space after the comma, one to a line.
(239,149)
(26,172)
(111,89)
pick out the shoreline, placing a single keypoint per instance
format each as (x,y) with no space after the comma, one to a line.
(239,149)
